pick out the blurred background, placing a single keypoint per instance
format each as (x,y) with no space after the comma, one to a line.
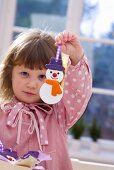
(93,21)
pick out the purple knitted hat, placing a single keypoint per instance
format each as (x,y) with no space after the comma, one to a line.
(55,64)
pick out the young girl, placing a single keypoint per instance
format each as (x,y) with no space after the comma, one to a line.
(26,122)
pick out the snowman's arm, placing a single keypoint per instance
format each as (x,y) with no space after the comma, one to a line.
(77,92)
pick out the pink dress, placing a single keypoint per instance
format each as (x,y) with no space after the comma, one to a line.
(39,126)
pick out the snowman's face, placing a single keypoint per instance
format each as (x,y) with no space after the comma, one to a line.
(54,75)
(10,158)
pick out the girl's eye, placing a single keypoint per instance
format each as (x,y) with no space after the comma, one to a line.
(24,74)
(42,77)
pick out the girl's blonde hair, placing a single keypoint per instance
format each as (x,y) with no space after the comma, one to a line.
(33,49)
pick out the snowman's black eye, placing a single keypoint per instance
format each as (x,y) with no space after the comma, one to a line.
(58,73)
(50,71)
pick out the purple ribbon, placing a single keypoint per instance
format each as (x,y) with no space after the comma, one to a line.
(58,53)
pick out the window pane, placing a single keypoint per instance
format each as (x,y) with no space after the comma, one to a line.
(101,107)
(101,58)
(97,17)
(43,14)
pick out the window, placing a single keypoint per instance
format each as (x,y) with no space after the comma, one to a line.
(50,14)
(98,25)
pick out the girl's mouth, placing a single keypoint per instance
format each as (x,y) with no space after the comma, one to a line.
(29,93)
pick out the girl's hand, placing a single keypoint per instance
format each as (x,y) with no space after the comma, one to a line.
(70,46)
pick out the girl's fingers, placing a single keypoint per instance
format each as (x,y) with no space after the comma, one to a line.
(64,37)
(59,39)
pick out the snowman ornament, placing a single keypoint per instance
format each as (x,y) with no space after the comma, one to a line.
(51,91)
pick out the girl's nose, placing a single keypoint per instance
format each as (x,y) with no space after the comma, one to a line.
(54,74)
(32,84)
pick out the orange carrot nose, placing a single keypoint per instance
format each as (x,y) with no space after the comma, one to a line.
(54,75)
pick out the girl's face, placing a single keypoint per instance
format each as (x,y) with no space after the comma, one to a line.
(26,83)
